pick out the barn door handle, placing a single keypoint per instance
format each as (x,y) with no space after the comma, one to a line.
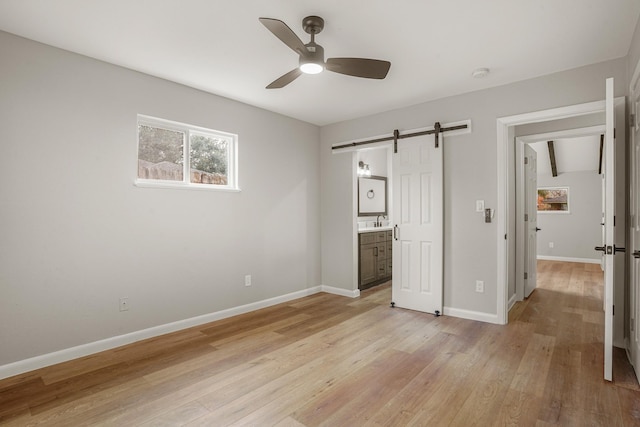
(395,232)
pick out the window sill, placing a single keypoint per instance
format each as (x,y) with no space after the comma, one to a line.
(182,186)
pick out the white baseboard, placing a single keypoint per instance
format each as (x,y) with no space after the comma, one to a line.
(67,354)
(471,315)
(569,259)
(340,291)
(512,302)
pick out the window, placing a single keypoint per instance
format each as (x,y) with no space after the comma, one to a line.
(175,154)
(553,199)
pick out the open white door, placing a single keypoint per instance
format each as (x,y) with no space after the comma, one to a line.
(418,232)
(634,339)
(531,218)
(608,245)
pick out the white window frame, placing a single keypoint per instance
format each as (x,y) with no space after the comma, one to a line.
(188,130)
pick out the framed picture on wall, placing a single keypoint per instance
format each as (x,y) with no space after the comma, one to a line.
(553,199)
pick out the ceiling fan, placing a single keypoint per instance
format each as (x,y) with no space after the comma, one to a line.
(312,54)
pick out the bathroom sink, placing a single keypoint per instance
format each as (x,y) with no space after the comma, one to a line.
(369,229)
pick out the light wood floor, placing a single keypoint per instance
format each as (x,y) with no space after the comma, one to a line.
(336,361)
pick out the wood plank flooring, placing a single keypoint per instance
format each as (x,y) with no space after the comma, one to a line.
(335,361)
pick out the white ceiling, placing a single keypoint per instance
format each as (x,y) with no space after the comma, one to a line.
(220,47)
(572,154)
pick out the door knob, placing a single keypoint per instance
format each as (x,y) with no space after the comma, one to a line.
(602,249)
(538,229)
(636,254)
(618,249)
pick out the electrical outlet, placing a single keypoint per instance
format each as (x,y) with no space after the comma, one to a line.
(124,304)
(479,286)
(551,245)
(479,205)
(247,280)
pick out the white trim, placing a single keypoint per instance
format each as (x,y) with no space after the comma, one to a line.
(471,315)
(512,301)
(67,354)
(169,185)
(339,291)
(569,259)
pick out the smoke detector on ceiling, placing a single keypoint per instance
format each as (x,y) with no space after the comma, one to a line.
(479,73)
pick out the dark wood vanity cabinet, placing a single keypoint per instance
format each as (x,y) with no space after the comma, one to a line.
(374,258)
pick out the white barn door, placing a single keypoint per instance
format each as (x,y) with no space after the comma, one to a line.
(418,231)
(634,344)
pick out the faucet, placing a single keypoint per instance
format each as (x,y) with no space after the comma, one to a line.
(378,223)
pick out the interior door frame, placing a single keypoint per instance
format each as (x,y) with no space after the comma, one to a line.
(520,202)
(504,129)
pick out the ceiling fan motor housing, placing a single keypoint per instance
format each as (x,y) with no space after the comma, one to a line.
(315,54)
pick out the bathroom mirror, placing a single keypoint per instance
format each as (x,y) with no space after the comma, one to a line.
(372,196)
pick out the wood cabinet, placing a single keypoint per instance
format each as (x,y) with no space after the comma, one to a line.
(374,258)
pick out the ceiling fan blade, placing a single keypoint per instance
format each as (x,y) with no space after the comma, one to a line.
(359,67)
(284,33)
(285,79)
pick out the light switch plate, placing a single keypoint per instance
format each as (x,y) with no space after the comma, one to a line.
(487,215)
(479,205)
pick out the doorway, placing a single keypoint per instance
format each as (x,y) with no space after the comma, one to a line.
(506,139)
(568,235)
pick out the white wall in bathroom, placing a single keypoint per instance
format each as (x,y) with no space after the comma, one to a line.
(376,158)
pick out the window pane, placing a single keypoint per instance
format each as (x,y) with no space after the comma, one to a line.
(160,153)
(209,158)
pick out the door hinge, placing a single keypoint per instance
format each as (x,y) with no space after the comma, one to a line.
(614,133)
(613,310)
(526,160)
(614,220)
(526,275)
(526,217)
(505,237)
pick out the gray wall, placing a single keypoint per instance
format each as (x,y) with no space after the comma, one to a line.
(77,234)
(634,51)
(469,174)
(573,234)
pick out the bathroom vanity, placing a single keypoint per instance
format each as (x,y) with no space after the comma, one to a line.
(374,265)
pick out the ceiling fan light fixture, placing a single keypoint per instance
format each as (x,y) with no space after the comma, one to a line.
(311,68)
